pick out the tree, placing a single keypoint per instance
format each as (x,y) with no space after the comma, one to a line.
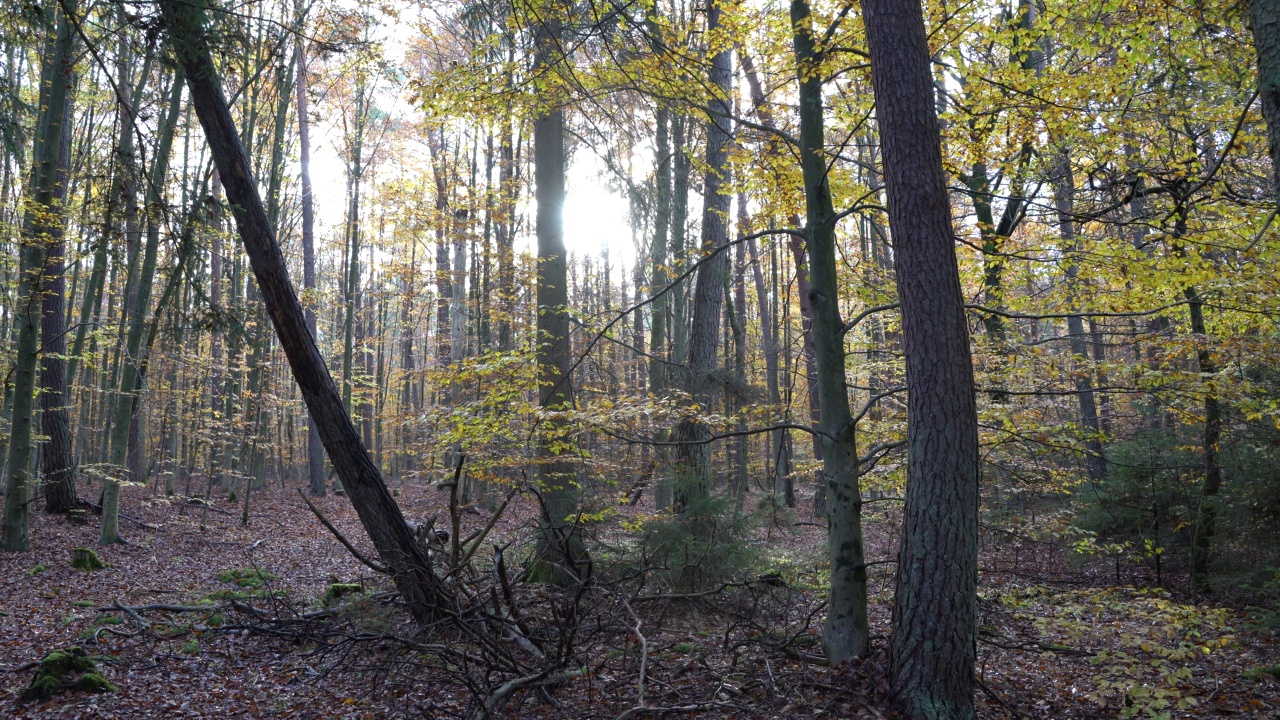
(560,540)
(693,455)
(1264,21)
(41,224)
(844,634)
(315,450)
(378,512)
(935,605)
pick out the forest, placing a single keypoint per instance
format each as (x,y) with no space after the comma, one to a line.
(640,358)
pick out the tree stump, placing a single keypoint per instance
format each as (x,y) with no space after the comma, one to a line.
(86,559)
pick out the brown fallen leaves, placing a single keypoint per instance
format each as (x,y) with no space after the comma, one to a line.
(1045,652)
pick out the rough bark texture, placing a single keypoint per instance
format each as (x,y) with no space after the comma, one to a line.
(378,512)
(1264,20)
(40,220)
(935,607)
(56,457)
(844,634)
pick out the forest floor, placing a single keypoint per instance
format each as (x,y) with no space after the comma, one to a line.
(1058,640)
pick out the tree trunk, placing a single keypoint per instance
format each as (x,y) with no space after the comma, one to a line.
(560,550)
(1264,20)
(378,512)
(57,459)
(315,450)
(693,458)
(129,396)
(41,221)
(844,634)
(935,606)
(1064,189)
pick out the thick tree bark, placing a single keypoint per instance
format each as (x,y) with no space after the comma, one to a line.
(935,606)
(844,634)
(42,220)
(57,459)
(1264,20)
(378,512)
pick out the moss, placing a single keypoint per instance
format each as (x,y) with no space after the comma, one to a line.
(85,559)
(246,577)
(1260,673)
(38,569)
(82,603)
(336,591)
(68,670)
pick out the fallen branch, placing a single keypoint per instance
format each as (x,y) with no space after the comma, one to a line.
(695,707)
(537,680)
(1036,646)
(337,534)
(98,508)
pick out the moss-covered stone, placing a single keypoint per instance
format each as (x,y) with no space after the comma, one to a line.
(336,591)
(85,559)
(67,670)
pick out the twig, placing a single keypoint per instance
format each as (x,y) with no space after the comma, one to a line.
(345,543)
(990,693)
(479,538)
(644,655)
(695,707)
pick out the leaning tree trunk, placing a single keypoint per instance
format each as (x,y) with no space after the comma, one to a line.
(935,606)
(41,221)
(378,512)
(844,634)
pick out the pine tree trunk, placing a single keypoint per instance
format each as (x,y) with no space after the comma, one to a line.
(935,606)
(57,460)
(1264,21)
